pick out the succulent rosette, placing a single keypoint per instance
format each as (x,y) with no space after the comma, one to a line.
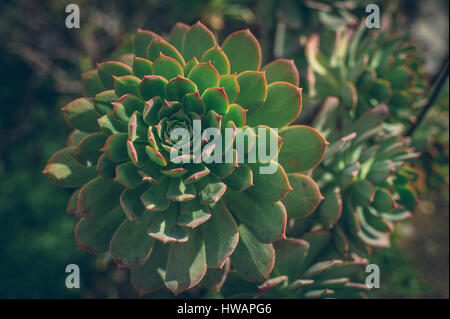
(304,268)
(365,68)
(174,216)
(366,181)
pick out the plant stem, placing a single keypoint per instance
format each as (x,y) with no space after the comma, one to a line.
(440,82)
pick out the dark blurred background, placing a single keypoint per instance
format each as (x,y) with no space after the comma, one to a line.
(41,62)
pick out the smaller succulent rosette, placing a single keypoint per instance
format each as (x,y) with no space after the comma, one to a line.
(366,182)
(175,207)
(305,268)
(366,68)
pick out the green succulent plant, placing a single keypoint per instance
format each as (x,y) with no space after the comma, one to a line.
(431,138)
(366,182)
(174,218)
(366,68)
(304,268)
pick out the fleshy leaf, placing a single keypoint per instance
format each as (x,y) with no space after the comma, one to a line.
(80,114)
(142,67)
(362,193)
(178,191)
(330,209)
(137,129)
(380,171)
(137,154)
(91,82)
(193,214)
(349,95)
(176,35)
(141,42)
(127,175)
(72,204)
(177,88)
(193,103)
(223,170)
(282,70)
(131,205)
(383,200)
(231,86)
(158,46)
(303,148)
(62,170)
(155,198)
(271,186)
(116,147)
(304,198)
(221,236)
(106,168)
(152,108)
(210,190)
(109,125)
(218,59)
(103,101)
(348,174)
(318,240)
(155,156)
(205,76)
(381,90)
(87,152)
(282,106)
(131,246)
(252,259)
(150,277)
(290,254)
(215,99)
(189,65)
(243,51)
(195,173)
(167,67)
(370,120)
(236,114)
(186,264)
(197,40)
(164,226)
(240,179)
(151,173)
(266,221)
(94,236)
(215,278)
(76,137)
(127,58)
(127,84)
(252,90)
(126,106)
(98,197)
(108,70)
(152,86)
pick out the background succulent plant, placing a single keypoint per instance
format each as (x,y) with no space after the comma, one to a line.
(365,68)
(174,223)
(359,87)
(306,267)
(366,182)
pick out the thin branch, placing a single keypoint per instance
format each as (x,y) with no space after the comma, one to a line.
(437,88)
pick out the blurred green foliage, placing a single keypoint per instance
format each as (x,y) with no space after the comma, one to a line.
(400,277)
(36,235)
